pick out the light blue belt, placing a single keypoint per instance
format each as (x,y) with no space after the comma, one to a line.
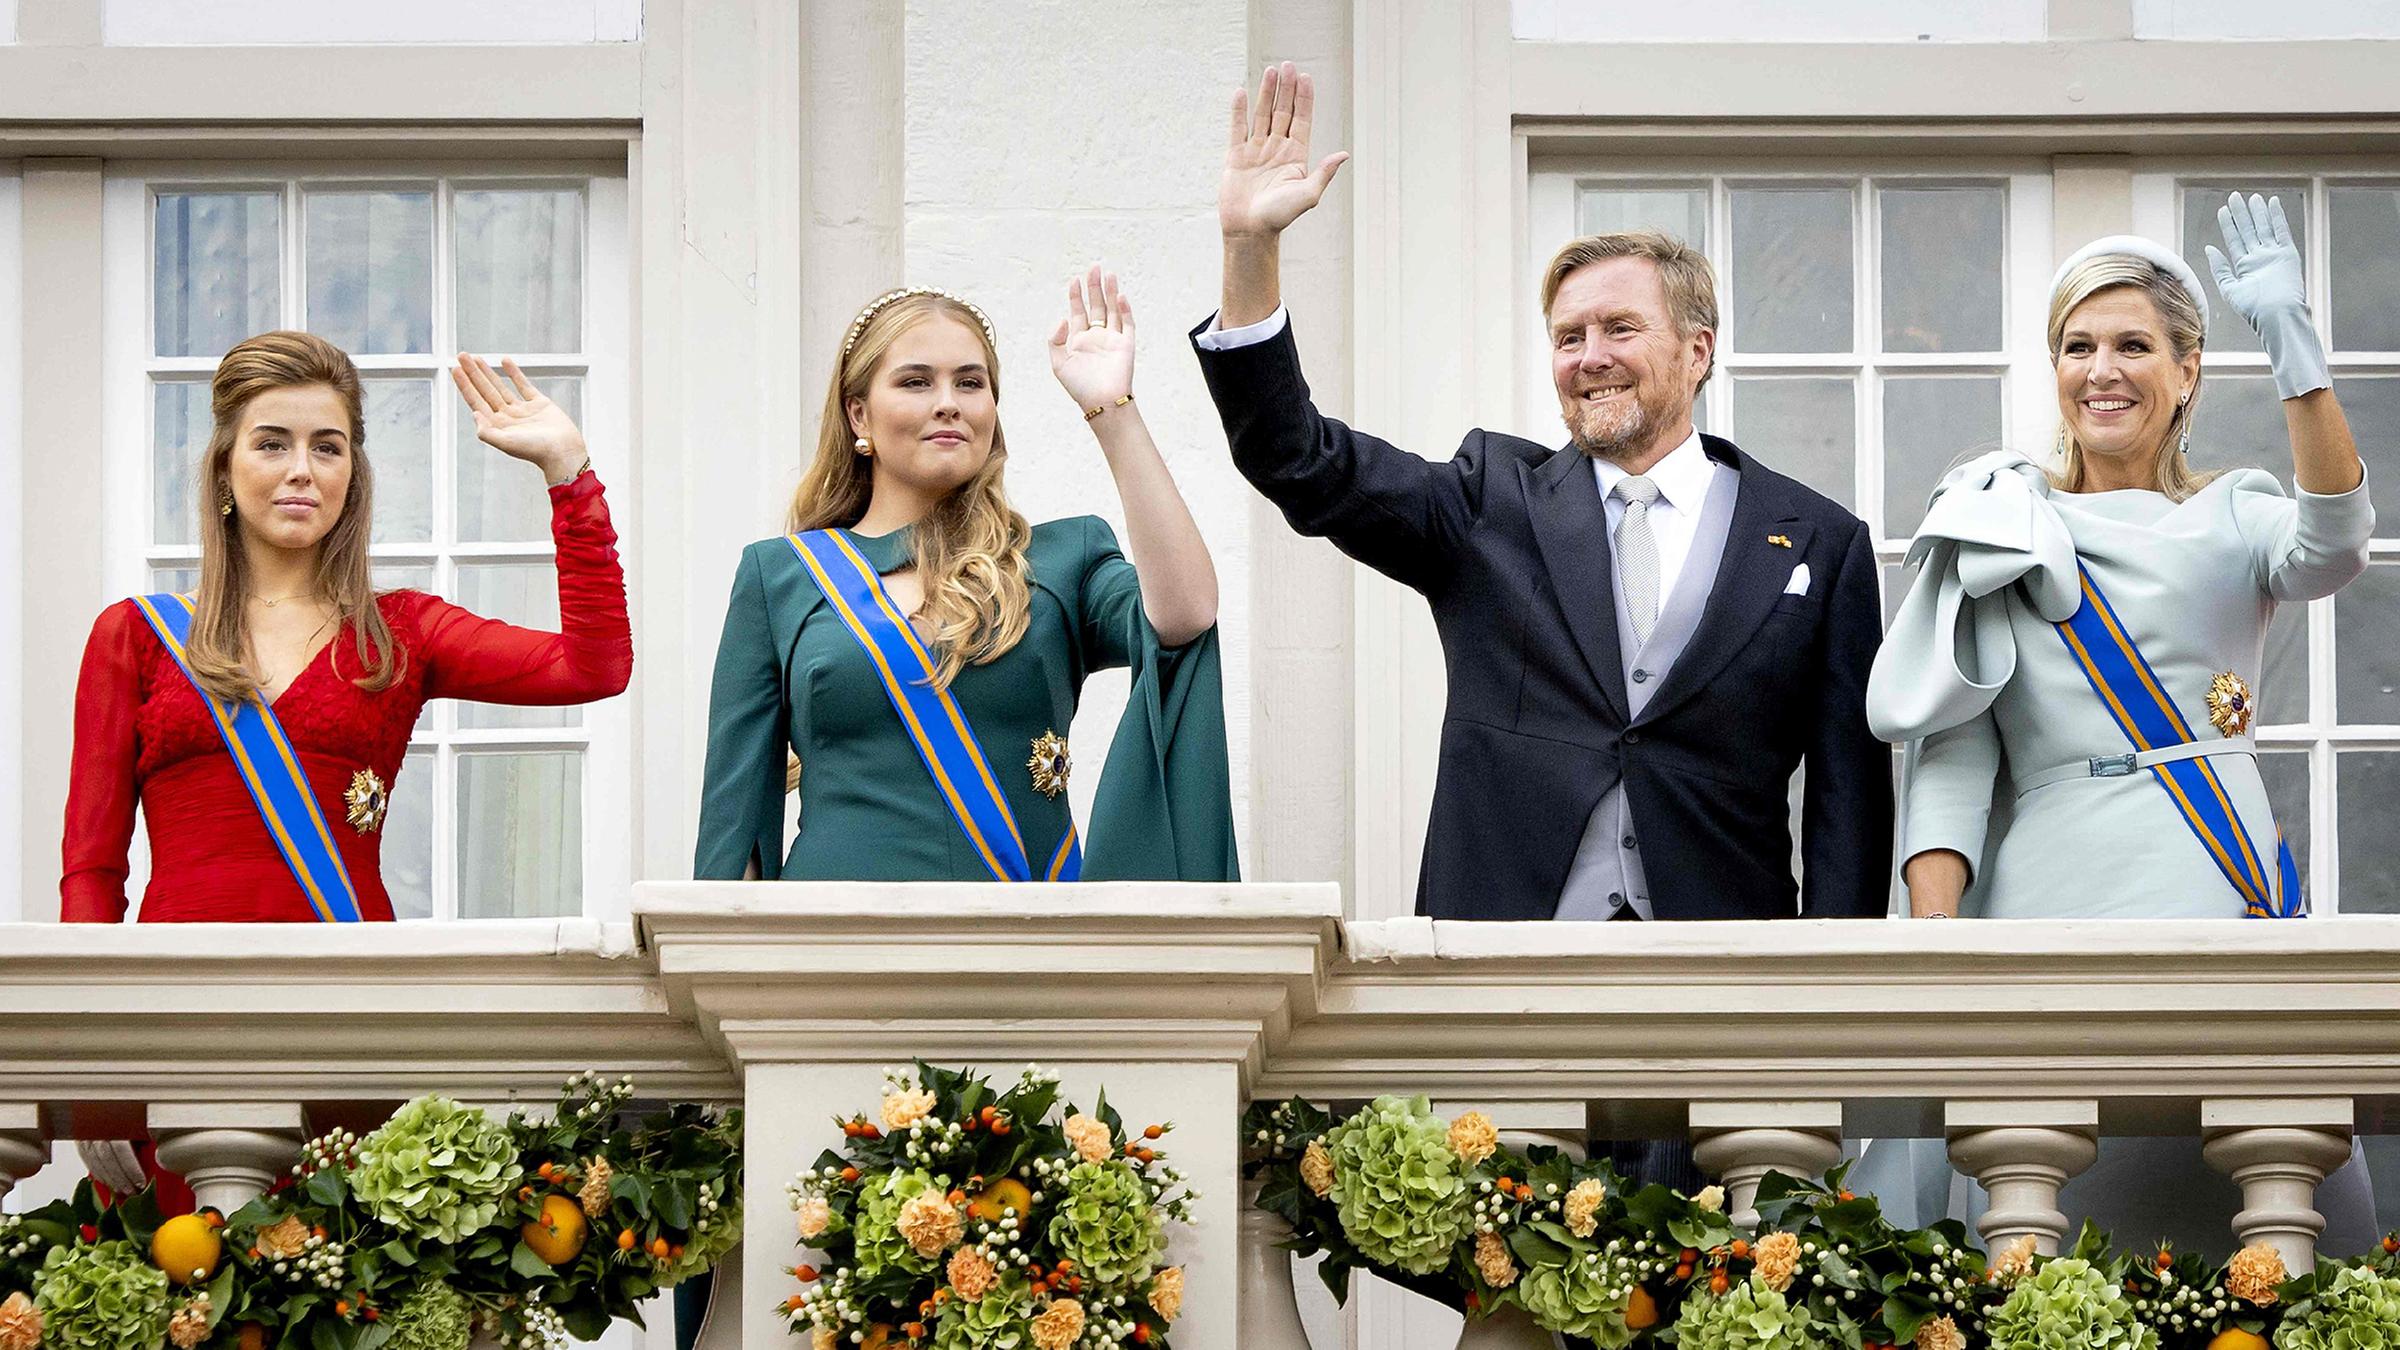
(2126,765)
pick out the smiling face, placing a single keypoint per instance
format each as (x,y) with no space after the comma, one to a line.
(1625,374)
(2120,383)
(290,464)
(929,411)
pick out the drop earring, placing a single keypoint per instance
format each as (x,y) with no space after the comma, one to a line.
(224,501)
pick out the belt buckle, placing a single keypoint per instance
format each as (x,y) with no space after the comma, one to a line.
(2112,766)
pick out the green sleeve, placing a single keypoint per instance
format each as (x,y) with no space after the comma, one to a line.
(741,795)
(1164,810)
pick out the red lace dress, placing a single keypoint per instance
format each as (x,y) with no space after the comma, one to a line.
(142,735)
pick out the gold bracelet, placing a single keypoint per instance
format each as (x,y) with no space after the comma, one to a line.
(580,470)
(1095,412)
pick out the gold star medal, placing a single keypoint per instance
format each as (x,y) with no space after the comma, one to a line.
(1049,764)
(2230,704)
(368,800)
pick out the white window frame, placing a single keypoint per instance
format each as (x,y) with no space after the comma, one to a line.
(12,486)
(2022,363)
(604,735)
(2157,212)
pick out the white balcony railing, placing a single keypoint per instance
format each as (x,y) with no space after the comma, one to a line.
(1770,1043)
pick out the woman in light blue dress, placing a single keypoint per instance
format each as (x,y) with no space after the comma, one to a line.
(2075,666)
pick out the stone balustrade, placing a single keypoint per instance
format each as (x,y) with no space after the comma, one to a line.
(2021,1044)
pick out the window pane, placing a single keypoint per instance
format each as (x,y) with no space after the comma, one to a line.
(1792,265)
(174,580)
(2366,267)
(2238,423)
(1896,578)
(2283,685)
(520,834)
(370,270)
(1805,427)
(503,500)
(400,446)
(179,428)
(2286,775)
(2366,648)
(2226,331)
(216,277)
(2372,403)
(520,270)
(1682,212)
(2368,789)
(1941,268)
(525,594)
(408,839)
(1930,422)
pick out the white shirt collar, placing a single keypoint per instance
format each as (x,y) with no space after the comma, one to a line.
(1682,476)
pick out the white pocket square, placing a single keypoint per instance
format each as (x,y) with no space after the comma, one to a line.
(1798,585)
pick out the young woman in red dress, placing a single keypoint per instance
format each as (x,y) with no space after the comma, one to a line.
(286,616)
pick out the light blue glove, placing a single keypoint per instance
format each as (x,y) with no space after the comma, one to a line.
(2263,283)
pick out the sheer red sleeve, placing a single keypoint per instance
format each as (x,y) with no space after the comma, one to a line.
(589,658)
(101,791)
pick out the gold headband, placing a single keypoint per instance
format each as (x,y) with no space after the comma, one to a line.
(859,324)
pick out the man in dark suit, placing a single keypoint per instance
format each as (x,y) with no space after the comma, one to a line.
(1645,632)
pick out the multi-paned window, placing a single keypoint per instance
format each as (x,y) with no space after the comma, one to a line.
(498,811)
(2330,691)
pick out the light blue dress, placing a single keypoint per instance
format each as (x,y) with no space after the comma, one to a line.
(1976,680)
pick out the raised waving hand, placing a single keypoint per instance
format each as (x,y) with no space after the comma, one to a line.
(1269,181)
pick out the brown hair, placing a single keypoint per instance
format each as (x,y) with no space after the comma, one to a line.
(2185,330)
(220,640)
(1690,283)
(970,548)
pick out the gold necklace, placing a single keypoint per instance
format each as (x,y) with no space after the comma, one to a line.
(272,602)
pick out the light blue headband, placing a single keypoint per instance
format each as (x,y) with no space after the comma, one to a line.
(2133,245)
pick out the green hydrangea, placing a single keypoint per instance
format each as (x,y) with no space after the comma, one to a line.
(1575,1299)
(997,1321)
(437,1170)
(878,1243)
(1748,1316)
(2360,1310)
(2068,1305)
(1401,1193)
(1106,1224)
(435,1317)
(106,1296)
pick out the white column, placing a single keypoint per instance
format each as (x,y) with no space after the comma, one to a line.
(2278,1150)
(229,1152)
(1270,1312)
(2023,1152)
(23,1145)
(1740,1142)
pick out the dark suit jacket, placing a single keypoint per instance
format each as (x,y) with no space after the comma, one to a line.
(1509,543)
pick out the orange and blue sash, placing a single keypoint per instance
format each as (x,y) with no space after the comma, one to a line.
(270,768)
(2137,699)
(935,723)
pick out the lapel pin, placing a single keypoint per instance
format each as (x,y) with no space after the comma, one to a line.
(1780,540)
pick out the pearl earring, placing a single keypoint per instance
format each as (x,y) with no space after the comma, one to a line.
(865,446)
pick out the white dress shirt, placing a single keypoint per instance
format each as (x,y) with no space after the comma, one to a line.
(1684,478)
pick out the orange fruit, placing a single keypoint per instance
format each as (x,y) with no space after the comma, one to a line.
(557,1237)
(187,1248)
(253,1337)
(2234,1338)
(1641,1310)
(1000,1197)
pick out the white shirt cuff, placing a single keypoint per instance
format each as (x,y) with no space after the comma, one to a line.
(1218,339)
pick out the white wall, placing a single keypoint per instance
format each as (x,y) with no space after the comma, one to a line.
(1783,21)
(2288,20)
(12,559)
(8,20)
(1041,138)
(172,23)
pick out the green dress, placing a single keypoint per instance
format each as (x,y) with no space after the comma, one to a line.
(791,676)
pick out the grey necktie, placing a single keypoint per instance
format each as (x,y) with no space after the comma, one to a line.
(1637,554)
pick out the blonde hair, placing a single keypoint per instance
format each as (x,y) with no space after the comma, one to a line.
(969,550)
(220,640)
(2185,331)
(1690,283)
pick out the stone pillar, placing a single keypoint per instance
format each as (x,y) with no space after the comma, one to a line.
(1740,1142)
(2023,1153)
(2278,1150)
(1270,1312)
(229,1152)
(24,1146)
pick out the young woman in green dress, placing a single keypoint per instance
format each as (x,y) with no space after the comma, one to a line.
(910,656)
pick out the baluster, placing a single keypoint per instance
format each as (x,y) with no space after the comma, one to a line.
(1559,1125)
(24,1145)
(1740,1142)
(2023,1154)
(229,1152)
(2278,1150)
(1270,1312)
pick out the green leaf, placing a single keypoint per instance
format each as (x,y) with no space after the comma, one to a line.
(326,1188)
(525,1263)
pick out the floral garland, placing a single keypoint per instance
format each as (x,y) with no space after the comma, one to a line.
(965,1218)
(1440,1207)
(441,1224)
